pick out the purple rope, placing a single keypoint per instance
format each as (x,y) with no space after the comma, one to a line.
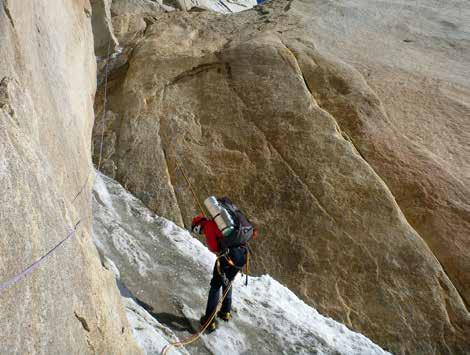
(39,261)
(81,190)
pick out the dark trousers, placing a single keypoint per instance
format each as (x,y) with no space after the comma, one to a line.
(238,256)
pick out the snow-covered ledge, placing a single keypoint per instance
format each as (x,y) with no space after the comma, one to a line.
(163,267)
(222,6)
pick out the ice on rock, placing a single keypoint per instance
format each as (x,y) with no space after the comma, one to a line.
(163,267)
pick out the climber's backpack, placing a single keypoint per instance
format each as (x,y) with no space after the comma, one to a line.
(243,231)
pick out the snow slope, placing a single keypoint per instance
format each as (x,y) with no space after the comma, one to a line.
(224,6)
(163,267)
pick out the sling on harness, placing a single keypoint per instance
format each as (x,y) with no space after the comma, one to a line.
(224,254)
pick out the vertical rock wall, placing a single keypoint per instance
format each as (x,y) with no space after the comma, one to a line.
(241,102)
(47,85)
(103,32)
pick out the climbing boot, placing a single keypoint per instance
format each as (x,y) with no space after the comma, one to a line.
(224,315)
(211,327)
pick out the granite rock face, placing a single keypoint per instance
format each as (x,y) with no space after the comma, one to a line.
(409,113)
(250,107)
(131,17)
(47,85)
(103,32)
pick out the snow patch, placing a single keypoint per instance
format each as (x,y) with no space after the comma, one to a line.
(224,6)
(267,316)
(99,189)
(151,335)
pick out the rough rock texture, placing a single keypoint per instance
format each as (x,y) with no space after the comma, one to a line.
(167,271)
(103,33)
(47,83)
(252,108)
(131,17)
(411,120)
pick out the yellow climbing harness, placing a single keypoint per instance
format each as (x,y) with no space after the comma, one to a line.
(231,263)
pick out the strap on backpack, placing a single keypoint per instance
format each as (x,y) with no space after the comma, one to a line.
(224,254)
(246,264)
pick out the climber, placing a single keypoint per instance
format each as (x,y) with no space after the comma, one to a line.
(232,254)
(226,267)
